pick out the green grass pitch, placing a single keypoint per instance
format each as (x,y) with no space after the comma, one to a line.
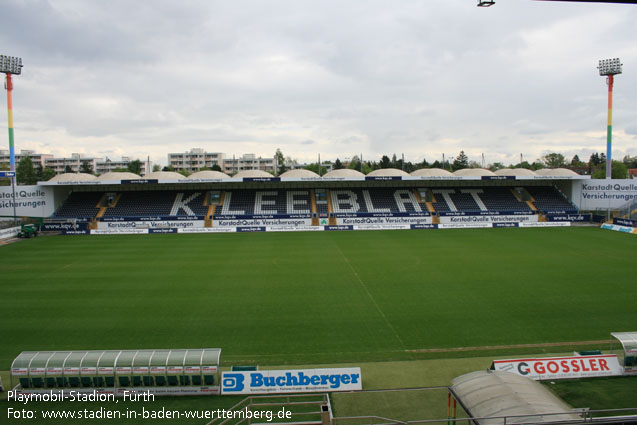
(323,297)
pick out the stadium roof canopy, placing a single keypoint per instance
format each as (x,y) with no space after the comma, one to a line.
(208,174)
(491,395)
(431,172)
(252,173)
(474,172)
(344,173)
(118,176)
(164,175)
(628,340)
(73,177)
(387,172)
(515,172)
(557,172)
(45,364)
(298,174)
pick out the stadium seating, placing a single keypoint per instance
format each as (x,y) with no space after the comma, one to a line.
(502,199)
(266,202)
(80,205)
(158,203)
(492,199)
(375,200)
(550,200)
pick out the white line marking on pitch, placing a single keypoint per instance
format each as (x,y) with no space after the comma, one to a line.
(371,297)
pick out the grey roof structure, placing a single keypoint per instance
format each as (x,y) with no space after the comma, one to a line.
(492,395)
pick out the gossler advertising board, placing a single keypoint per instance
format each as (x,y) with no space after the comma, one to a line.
(291,381)
(562,367)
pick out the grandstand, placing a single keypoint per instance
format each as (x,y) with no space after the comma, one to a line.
(302,200)
(212,206)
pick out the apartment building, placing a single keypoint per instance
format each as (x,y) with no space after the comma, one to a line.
(194,160)
(248,162)
(108,165)
(36,158)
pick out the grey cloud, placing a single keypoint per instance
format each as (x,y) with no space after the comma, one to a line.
(421,77)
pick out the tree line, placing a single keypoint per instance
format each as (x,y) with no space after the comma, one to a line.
(28,173)
(595,167)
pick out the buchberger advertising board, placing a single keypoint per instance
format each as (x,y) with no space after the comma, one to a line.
(291,381)
(562,367)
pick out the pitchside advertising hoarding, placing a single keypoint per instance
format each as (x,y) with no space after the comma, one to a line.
(370,222)
(477,219)
(152,224)
(273,222)
(562,367)
(291,381)
(30,201)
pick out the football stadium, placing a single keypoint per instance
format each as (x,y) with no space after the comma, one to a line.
(345,298)
(266,293)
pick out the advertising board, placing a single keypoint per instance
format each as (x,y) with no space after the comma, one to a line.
(291,381)
(466,219)
(562,367)
(600,194)
(383,221)
(30,201)
(179,224)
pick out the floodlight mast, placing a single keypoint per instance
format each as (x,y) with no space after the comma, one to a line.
(10,65)
(609,68)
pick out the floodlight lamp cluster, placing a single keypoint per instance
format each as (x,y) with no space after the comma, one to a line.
(610,67)
(485,3)
(10,65)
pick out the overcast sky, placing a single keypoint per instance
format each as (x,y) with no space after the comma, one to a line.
(339,78)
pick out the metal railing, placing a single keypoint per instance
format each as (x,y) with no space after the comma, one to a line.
(267,402)
(585,416)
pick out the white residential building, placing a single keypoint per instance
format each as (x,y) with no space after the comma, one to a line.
(248,162)
(72,164)
(194,160)
(37,158)
(108,165)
